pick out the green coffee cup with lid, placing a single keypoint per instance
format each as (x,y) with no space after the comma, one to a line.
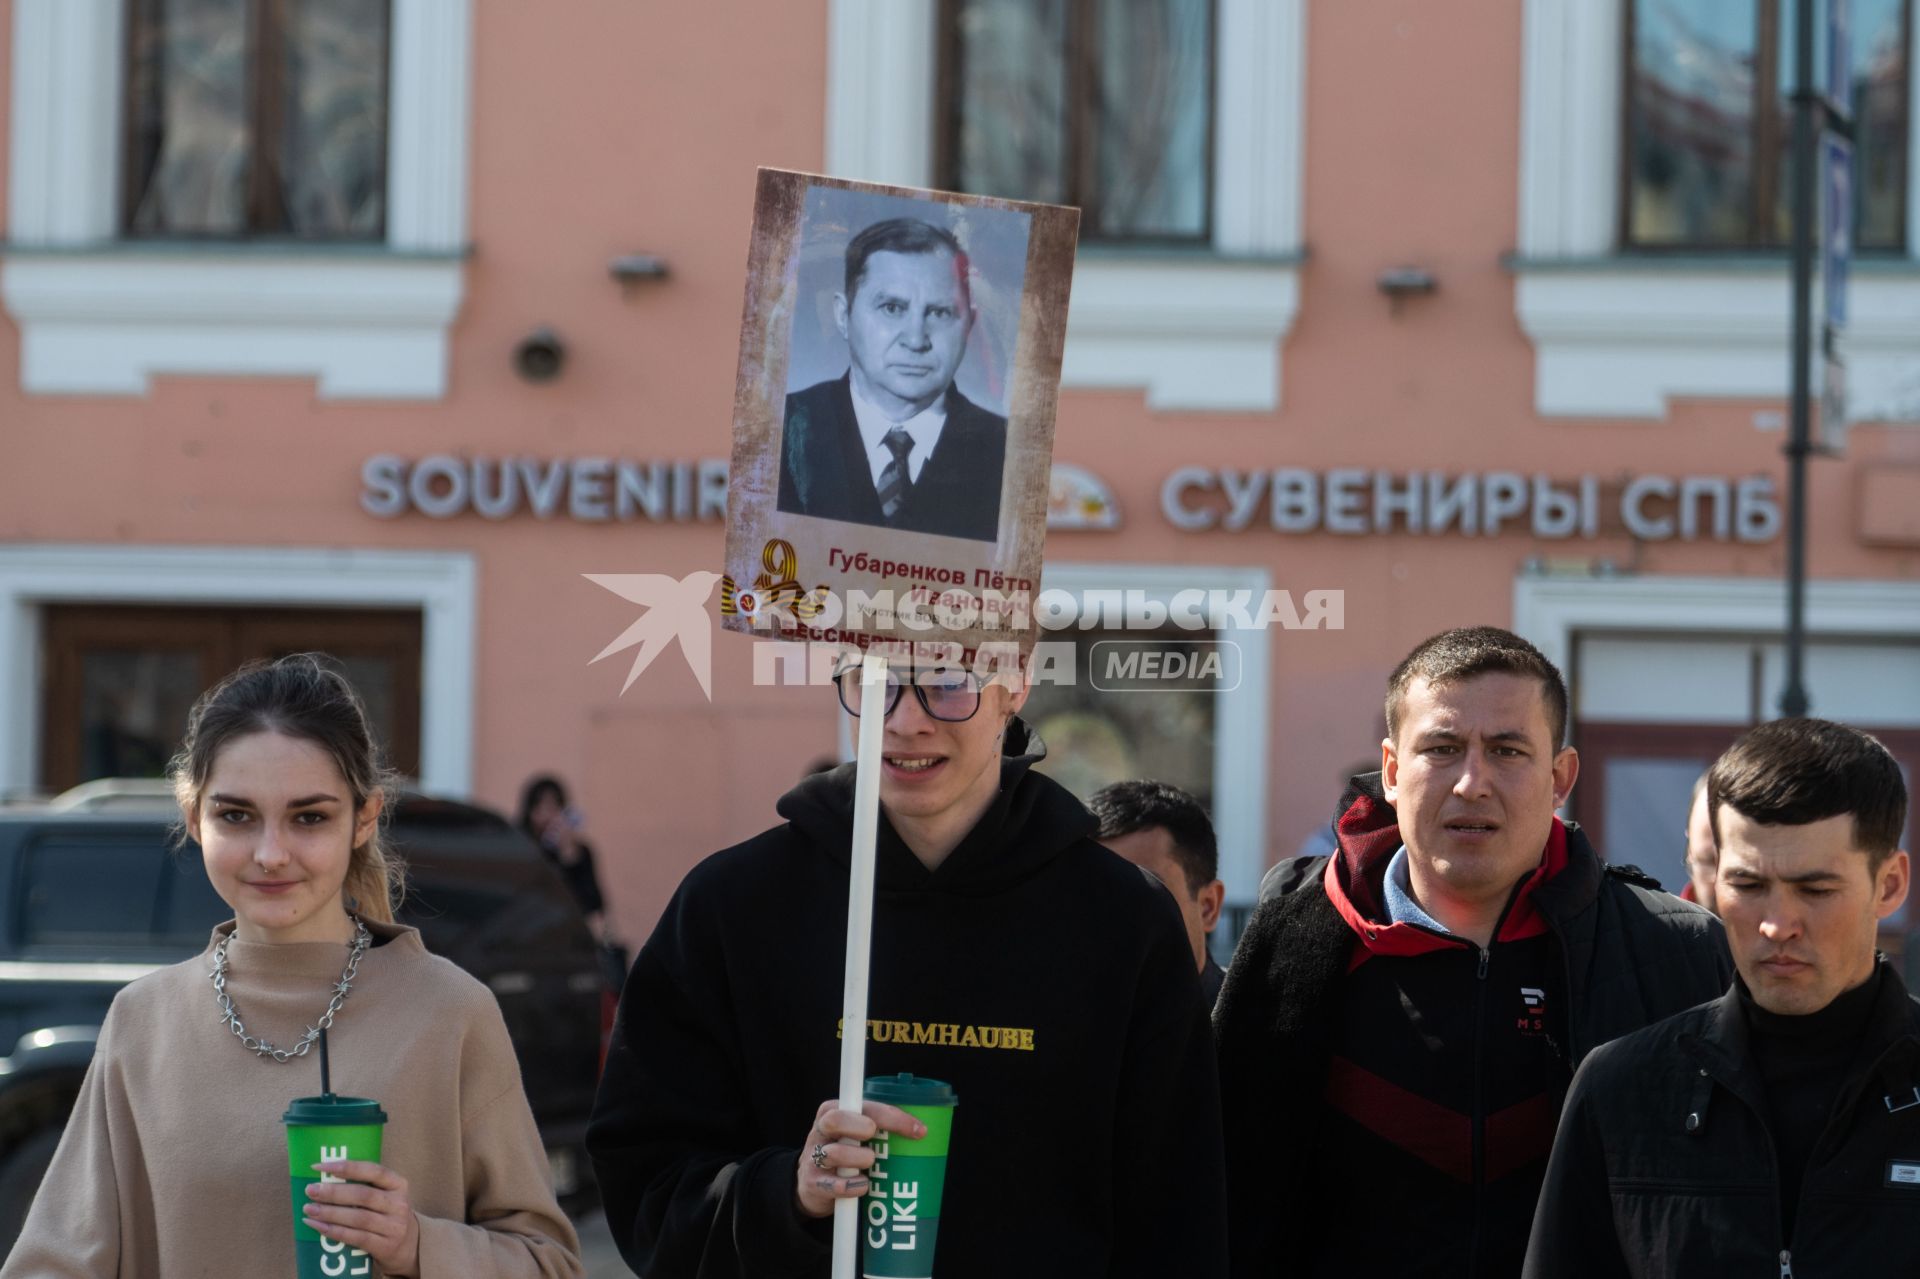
(321,1129)
(900,1213)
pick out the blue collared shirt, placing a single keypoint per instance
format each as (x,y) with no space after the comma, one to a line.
(1401,908)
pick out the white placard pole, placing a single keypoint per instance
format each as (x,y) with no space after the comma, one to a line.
(853,1000)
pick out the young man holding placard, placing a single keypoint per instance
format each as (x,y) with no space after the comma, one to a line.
(1007,961)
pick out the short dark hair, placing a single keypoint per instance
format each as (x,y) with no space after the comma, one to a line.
(1791,772)
(1126,807)
(1468,651)
(903,235)
(538,787)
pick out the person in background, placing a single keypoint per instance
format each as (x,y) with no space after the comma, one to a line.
(1775,1130)
(1703,854)
(1165,832)
(555,827)
(1400,1021)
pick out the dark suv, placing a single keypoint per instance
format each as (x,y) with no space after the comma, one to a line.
(89,901)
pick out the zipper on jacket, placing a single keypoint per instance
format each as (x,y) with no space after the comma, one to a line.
(1479,1105)
(1773,1157)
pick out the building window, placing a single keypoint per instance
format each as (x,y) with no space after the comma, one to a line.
(1110,726)
(1709,124)
(121,678)
(1096,103)
(257,118)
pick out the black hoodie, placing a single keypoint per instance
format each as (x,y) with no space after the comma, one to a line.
(1045,978)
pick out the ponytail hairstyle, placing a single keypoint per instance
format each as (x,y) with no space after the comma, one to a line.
(303,698)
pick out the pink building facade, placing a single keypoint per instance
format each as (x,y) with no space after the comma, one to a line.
(1422,346)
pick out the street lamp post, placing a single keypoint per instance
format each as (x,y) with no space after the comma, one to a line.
(1822,162)
(1800,429)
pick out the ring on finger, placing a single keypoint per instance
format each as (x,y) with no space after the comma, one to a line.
(819,1156)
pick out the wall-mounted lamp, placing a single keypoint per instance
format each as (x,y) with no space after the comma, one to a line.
(538,357)
(634,268)
(1403,282)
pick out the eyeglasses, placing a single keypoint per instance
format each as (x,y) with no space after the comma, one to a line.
(947,695)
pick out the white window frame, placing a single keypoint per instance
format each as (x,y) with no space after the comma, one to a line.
(1553,612)
(1240,716)
(100,316)
(1195,330)
(1619,336)
(442,585)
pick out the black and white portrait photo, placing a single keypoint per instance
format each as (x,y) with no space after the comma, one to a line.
(891,437)
(900,355)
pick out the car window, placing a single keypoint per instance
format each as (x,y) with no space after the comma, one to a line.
(91,890)
(191,908)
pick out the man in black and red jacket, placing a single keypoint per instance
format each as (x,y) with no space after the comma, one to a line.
(1401,1020)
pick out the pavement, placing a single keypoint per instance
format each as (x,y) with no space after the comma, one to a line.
(596,1247)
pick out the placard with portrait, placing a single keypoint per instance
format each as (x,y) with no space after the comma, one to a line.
(893,415)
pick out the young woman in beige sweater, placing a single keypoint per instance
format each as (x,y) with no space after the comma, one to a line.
(175,1160)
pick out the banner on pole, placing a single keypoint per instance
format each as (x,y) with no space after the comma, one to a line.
(893,413)
(1838,79)
(1836,227)
(1833,406)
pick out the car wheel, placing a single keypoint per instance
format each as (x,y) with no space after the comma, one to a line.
(20,1178)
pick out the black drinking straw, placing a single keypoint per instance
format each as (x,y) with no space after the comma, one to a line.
(326,1069)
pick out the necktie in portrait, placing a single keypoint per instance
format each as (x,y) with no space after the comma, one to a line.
(896,481)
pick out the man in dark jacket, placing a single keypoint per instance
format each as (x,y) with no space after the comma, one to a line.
(893,442)
(1778,1126)
(1401,1020)
(1013,957)
(1167,833)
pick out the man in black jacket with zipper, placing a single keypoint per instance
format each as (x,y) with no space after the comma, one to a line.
(1401,1020)
(1778,1126)
(1044,978)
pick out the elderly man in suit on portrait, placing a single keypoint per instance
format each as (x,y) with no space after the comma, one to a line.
(892,442)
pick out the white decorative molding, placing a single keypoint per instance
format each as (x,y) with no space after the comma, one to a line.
(64,121)
(1623,341)
(1569,127)
(1623,338)
(378,324)
(1240,727)
(442,585)
(1260,126)
(427,113)
(105,323)
(1553,612)
(1196,334)
(881,73)
(880,84)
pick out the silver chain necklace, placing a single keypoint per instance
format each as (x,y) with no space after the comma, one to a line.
(230,1018)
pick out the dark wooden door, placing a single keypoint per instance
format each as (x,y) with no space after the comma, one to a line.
(120,679)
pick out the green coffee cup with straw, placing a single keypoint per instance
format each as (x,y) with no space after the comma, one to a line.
(320,1129)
